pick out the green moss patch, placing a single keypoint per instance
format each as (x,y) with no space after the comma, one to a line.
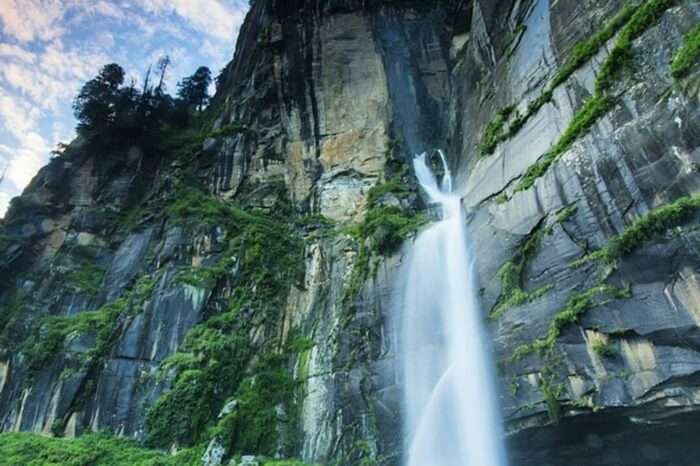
(631,24)
(263,257)
(50,335)
(576,306)
(499,130)
(688,55)
(654,223)
(510,274)
(592,110)
(383,229)
(87,450)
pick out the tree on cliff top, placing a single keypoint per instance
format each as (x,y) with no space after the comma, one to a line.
(194,90)
(97,104)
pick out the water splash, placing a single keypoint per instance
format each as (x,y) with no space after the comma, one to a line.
(452,417)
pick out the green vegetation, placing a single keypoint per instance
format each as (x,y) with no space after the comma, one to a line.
(643,18)
(86,279)
(603,349)
(99,450)
(592,110)
(383,230)
(109,112)
(600,103)
(688,55)
(230,129)
(576,306)
(631,22)
(217,363)
(49,336)
(87,450)
(498,131)
(551,394)
(654,223)
(586,49)
(252,426)
(510,274)
(494,132)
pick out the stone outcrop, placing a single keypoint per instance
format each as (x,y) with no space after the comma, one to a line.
(273,231)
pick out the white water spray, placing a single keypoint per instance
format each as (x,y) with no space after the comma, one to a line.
(452,417)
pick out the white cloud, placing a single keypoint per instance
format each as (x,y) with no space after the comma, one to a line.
(29,158)
(49,48)
(4,201)
(29,20)
(17,116)
(16,52)
(211,17)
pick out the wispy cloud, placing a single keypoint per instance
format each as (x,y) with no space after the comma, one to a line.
(211,17)
(49,48)
(28,20)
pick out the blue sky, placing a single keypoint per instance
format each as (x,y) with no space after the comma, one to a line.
(49,48)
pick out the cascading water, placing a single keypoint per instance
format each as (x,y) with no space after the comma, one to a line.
(452,416)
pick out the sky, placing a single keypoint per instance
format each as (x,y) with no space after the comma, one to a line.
(49,48)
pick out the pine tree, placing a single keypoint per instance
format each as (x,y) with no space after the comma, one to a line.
(194,90)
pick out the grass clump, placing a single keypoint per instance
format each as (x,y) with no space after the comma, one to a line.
(603,349)
(600,103)
(510,274)
(260,262)
(586,49)
(592,110)
(576,306)
(228,130)
(688,55)
(252,425)
(49,337)
(645,16)
(86,450)
(86,279)
(654,223)
(497,130)
(383,229)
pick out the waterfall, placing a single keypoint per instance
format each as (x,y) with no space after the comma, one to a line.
(451,410)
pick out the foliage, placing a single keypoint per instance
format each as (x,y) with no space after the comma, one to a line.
(688,55)
(211,365)
(231,129)
(494,131)
(86,279)
(644,17)
(631,23)
(98,102)
(592,110)
(497,131)
(252,426)
(576,306)
(512,293)
(87,450)
(194,90)
(383,229)
(654,223)
(602,349)
(510,273)
(110,113)
(49,336)
(586,49)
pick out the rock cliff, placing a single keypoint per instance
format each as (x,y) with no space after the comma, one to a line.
(230,287)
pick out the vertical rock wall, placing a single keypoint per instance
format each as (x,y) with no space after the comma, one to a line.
(300,182)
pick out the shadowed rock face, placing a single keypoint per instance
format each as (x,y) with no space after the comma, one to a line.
(334,97)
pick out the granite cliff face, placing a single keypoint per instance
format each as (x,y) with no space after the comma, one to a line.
(231,287)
